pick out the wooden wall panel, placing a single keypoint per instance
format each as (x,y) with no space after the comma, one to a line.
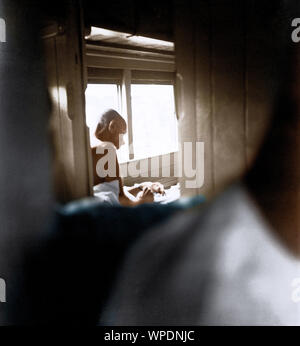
(228,49)
(185,65)
(66,84)
(223,56)
(61,126)
(203,92)
(260,71)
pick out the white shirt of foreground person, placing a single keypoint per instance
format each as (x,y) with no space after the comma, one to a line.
(221,266)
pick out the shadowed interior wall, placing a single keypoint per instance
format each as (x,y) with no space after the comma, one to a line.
(226,97)
(151,18)
(25,198)
(63,50)
(225,63)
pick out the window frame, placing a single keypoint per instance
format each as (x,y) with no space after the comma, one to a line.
(127,68)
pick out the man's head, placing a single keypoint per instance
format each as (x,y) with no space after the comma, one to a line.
(111,128)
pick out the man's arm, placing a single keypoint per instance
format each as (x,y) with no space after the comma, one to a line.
(154,187)
(134,196)
(145,196)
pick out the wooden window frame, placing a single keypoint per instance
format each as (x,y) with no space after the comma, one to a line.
(109,65)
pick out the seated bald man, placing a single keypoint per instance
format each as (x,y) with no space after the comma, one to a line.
(108,184)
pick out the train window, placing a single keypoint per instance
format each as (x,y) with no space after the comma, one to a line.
(99,98)
(135,76)
(154,122)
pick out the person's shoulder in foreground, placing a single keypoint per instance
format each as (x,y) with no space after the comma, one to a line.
(222,266)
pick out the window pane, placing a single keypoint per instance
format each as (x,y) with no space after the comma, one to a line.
(153,120)
(99,98)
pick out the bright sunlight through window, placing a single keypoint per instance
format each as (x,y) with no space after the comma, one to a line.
(154,120)
(154,123)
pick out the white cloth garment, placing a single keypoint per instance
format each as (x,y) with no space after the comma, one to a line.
(108,192)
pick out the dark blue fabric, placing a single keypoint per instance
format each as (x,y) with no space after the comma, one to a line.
(69,277)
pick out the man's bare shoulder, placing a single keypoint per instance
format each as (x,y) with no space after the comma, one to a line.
(104,146)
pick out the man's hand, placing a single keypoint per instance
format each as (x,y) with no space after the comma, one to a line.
(157,188)
(146,196)
(154,187)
